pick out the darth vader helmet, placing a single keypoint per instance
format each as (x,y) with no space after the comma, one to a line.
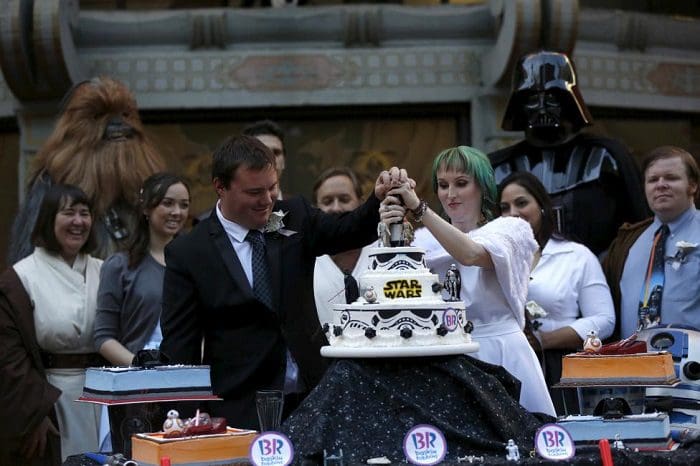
(545,102)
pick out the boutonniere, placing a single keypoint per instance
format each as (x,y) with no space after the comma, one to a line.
(683,248)
(275,224)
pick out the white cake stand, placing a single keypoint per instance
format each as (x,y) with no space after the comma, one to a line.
(397,351)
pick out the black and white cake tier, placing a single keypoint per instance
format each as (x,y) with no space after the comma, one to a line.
(400,312)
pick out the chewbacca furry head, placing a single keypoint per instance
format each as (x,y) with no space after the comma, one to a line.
(99,144)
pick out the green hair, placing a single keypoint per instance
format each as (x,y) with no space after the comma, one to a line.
(475,163)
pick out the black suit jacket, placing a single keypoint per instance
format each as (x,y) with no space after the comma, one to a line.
(206,295)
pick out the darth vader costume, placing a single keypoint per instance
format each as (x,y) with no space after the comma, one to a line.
(593,181)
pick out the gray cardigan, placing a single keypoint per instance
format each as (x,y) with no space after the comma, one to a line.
(128,301)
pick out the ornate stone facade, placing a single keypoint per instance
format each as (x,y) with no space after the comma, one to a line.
(341,55)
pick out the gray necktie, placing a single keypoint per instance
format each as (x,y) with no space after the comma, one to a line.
(261,271)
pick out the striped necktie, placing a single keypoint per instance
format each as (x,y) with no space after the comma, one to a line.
(261,272)
(650,299)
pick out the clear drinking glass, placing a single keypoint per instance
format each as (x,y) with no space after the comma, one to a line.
(269,404)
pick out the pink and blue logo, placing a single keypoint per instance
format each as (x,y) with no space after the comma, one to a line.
(425,445)
(554,442)
(449,319)
(271,449)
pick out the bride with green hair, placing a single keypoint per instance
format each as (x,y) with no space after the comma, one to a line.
(493,256)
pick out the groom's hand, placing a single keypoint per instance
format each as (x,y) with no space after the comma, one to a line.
(389,179)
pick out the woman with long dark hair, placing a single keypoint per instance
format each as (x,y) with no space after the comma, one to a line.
(566,281)
(129,298)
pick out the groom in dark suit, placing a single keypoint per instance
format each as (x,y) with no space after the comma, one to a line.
(255,333)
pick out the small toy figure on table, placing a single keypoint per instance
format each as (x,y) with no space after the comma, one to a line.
(617,444)
(200,424)
(513,452)
(329,459)
(592,343)
(173,425)
(471,459)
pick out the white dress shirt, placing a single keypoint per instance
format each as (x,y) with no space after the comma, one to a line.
(569,284)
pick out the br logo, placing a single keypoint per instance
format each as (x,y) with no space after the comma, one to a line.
(449,319)
(271,449)
(402,289)
(423,440)
(553,442)
(268,447)
(553,439)
(424,444)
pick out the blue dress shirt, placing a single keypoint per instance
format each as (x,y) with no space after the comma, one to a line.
(680,302)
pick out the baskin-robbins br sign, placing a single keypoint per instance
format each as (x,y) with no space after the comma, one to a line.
(271,449)
(425,445)
(450,320)
(553,442)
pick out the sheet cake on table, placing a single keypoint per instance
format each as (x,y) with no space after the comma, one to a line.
(126,385)
(644,369)
(643,431)
(230,448)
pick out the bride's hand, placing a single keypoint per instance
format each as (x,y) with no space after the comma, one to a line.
(391,210)
(405,191)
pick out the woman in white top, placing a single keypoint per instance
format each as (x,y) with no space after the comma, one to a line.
(62,279)
(493,257)
(336,190)
(567,282)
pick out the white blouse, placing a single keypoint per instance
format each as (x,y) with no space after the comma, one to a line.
(495,301)
(64,299)
(569,284)
(495,295)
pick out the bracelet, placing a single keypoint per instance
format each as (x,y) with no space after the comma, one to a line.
(419,211)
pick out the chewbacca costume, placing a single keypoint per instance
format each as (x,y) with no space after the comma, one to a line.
(98,144)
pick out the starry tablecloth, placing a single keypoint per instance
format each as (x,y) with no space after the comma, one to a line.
(366,406)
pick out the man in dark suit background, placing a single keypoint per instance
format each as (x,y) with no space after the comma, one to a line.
(209,293)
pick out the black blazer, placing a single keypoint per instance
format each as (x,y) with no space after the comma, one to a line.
(207,295)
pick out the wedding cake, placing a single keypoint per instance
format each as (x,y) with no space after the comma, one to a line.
(401,310)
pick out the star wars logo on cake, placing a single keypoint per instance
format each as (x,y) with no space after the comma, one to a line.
(402,289)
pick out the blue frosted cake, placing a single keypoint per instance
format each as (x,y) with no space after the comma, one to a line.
(133,384)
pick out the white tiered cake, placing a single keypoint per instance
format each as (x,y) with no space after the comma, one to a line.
(400,312)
